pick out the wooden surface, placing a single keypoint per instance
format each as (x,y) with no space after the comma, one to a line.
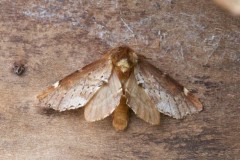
(194,41)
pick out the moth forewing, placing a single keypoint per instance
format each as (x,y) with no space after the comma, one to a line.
(191,97)
(167,94)
(76,89)
(45,93)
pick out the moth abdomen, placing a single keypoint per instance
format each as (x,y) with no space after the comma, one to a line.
(121,115)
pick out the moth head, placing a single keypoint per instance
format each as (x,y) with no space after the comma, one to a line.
(123,58)
(124,65)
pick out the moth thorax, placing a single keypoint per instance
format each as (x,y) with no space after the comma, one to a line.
(123,65)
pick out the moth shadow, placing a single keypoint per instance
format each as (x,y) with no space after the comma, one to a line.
(46,111)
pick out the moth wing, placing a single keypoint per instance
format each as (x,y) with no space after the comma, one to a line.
(78,88)
(105,100)
(168,95)
(140,102)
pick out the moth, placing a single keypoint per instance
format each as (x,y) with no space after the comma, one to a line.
(118,81)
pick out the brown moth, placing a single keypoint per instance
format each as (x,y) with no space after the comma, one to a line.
(120,80)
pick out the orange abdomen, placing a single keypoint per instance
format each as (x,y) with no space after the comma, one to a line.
(121,115)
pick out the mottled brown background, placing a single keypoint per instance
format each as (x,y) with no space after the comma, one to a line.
(196,42)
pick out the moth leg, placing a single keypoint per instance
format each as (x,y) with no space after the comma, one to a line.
(121,115)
